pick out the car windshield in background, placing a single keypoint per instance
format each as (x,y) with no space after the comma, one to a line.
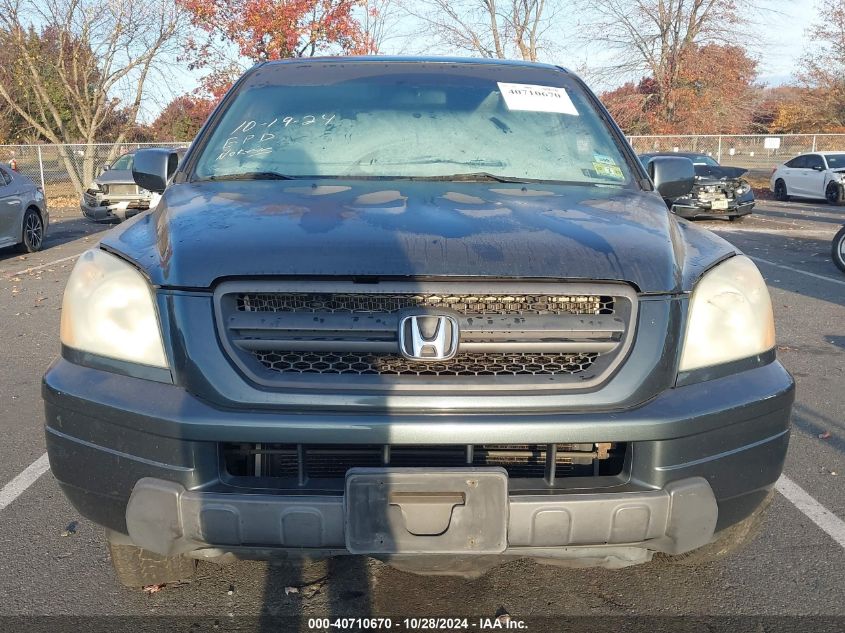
(124,162)
(835,161)
(703,160)
(430,126)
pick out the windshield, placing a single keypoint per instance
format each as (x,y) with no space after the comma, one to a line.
(698,159)
(835,161)
(402,125)
(124,162)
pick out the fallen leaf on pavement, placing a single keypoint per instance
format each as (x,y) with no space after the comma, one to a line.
(290,590)
(824,436)
(151,589)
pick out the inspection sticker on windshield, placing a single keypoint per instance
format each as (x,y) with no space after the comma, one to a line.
(607,167)
(532,98)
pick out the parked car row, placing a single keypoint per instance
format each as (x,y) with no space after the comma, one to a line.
(114,196)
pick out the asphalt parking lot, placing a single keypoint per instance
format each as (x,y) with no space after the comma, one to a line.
(52,562)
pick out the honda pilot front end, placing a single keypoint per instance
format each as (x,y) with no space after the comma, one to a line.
(430,311)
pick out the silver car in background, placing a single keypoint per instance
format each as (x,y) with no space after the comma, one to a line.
(23,212)
(114,196)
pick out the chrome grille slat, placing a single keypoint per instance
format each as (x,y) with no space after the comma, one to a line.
(305,332)
(390,303)
(377,333)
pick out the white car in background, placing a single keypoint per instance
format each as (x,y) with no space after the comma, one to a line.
(819,175)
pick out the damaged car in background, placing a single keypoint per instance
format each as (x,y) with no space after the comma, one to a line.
(113,195)
(718,192)
(816,176)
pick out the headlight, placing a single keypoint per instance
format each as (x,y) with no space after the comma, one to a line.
(108,310)
(743,188)
(730,316)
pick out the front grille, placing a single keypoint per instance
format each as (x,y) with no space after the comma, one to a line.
(321,334)
(392,303)
(393,364)
(297,465)
(121,190)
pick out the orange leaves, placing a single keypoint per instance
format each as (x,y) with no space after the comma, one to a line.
(277,29)
(709,89)
(182,118)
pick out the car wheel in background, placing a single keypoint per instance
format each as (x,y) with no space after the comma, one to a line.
(838,249)
(32,232)
(833,194)
(780,191)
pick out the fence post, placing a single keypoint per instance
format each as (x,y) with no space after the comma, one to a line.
(814,143)
(719,151)
(41,170)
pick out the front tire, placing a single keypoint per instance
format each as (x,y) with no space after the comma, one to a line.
(834,194)
(136,567)
(32,232)
(837,250)
(727,541)
(780,191)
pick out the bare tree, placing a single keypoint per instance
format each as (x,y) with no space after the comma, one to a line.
(108,51)
(510,28)
(380,23)
(820,73)
(653,37)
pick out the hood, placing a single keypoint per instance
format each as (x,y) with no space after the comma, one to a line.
(712,172)
(114,177)
(204,232)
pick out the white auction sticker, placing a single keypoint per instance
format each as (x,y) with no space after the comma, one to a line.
(532,98)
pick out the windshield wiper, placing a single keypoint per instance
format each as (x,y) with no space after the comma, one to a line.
(253,175)
(478,176)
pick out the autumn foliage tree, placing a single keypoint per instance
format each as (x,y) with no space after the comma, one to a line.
(822,73)
(714,92)
(660,39)
(263,30)
(182,118)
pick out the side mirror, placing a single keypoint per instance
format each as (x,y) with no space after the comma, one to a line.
(817,168)
(152,168)
(106,167)
(673,176)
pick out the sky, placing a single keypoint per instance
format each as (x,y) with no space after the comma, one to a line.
(776,37)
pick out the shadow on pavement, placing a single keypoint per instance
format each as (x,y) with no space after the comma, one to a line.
(61,231)
(808,218)
(815,424)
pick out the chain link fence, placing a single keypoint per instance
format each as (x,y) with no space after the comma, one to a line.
(61,169)
(758,153)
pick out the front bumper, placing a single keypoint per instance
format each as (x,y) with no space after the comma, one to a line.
(142,458)
(100,209)
(705,211)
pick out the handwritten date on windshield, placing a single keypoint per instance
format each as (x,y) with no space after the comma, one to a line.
(249,138)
